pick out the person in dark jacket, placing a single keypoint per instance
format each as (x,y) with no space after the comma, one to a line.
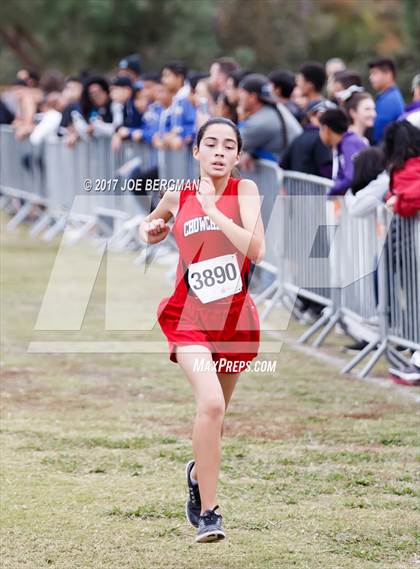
(72,92)
(308,153)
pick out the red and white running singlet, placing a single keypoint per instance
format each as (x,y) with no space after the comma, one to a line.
(211,305)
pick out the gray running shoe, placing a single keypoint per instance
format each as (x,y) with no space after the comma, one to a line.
(193,503)
(210,527)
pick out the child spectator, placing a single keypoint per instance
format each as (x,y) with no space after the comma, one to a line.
(345,144)
(370,183)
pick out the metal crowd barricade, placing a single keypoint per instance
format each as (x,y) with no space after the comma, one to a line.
(21,175)
(67,168)
(399,291)
(268,177)
(132,206)
(402,250)
(353,255)
(104,205)
(315,249)
(307,239)
(177,164)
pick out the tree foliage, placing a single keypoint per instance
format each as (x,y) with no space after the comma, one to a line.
(94,34)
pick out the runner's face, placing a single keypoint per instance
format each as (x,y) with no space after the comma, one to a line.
(218,151)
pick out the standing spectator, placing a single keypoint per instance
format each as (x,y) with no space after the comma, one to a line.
(341,81)
(181,114)
(132,105)
(300,100)
(226,109)
(264,131)
(389,102)
(311,80)
(151,114)
(333,66)
(284,83)
(220,70)
(155,126)
(151,82)
(99,115)
(412,110)
(131,68)
(308,153)
(6,115)
(361,110)
(72,93)
(29,95)
(95,101)
(370,183)
(232,85)
(402,153)
(345,144)
(28,76)
(200,97)
(50,118)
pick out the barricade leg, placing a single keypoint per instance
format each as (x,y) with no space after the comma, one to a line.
(360,356)
(316,325)
(333,320)
(21,214)
(374,359)
(40,224)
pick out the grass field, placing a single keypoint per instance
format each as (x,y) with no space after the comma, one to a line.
(319,471)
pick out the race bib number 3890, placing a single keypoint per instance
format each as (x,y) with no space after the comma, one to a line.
(215,278)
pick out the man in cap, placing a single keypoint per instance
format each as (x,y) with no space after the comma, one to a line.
(130,67)
(266,130)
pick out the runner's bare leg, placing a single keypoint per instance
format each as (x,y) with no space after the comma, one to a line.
(208,422)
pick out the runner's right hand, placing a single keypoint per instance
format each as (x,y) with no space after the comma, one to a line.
(156,230)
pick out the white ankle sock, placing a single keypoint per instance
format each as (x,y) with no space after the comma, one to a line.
(193,480)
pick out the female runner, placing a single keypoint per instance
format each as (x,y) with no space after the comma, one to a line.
(210,321)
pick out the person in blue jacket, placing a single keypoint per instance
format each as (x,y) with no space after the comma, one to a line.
(182,113)
(389,102)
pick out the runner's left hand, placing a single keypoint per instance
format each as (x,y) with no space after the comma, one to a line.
(207,193)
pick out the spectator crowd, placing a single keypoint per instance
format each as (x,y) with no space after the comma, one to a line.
(320,120)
